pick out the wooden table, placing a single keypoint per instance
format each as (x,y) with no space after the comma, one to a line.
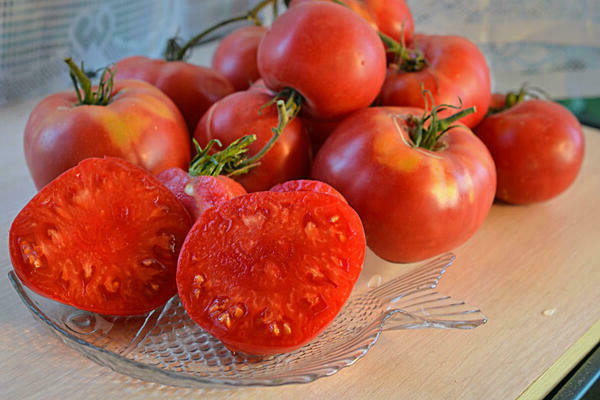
(534,271)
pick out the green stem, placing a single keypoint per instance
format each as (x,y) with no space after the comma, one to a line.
(82,83)
(251,15)
(232,160)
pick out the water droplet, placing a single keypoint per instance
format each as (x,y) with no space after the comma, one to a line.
(549,312)
(374,281)
(189,189)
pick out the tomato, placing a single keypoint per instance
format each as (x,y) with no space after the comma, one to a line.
(414,203)
(538,149)
(104,237)
(139,124)
(266,272)
(192,88)
(235,57)
(319,130)
(326,53)
(240,114)
(391,17)
(307,185)
(451,68)
(199,193)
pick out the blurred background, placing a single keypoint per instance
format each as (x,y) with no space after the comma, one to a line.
(552,44)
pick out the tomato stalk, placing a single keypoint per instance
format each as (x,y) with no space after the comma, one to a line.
(232,160)
(176,53)
(428,137)
(513,98)
(408,60)
(103,93)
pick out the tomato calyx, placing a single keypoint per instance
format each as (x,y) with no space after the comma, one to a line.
(516,97)
(427,137)
(103,93)
(233,160)
(178,53)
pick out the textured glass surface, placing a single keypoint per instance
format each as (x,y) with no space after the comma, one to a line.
(167,347)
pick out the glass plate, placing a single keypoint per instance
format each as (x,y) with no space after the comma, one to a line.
(165,346)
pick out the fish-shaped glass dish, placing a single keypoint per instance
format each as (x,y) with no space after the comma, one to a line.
(165,346)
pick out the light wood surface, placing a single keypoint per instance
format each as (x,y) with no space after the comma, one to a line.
(533,270)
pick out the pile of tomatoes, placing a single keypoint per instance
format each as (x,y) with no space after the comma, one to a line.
(252,188)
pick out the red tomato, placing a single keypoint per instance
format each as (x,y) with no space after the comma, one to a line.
(414,203)
(266,272)
(307,185)
(192,88)
(104,237)
(235,57)
(140,124)
(238,115)
(319,130)
(454,68)
(392,17)
(538,148)
(328,54)
(199,193)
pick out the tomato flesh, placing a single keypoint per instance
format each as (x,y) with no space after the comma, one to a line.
(308,185)
(266,272)
(104,237)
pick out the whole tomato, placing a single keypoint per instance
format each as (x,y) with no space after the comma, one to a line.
(328,54)
(537,146)
(235,57)
(241,114)
(450,67)
(391,17)
(414,202)
(192,88)
(131,120)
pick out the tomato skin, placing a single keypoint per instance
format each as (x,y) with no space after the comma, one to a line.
(237,115)
(193,88)
(266,272)
(414,203)
(199,193)
(457,69)
(104,237)
(328,54)
(235,57)
(538,148)
(140,125)
(307,185)
(392,17)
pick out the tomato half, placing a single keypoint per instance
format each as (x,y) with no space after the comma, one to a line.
(104,237)
(538,149)
(235,57)
(193,88)
(414,203)
(328,54)
(308,185)
(453,68)
(266,272)
(199,193)
(140,125)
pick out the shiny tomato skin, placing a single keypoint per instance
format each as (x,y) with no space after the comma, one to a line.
(308,185)
(267,272)
(193,88)
(237,115)
(456,69)
(140,125)
(414,203)
(199,193)
(235,57)
(328,54)
(538,148)
(104,237)
(392,17)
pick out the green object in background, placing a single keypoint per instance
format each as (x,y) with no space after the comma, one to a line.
(587,109)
